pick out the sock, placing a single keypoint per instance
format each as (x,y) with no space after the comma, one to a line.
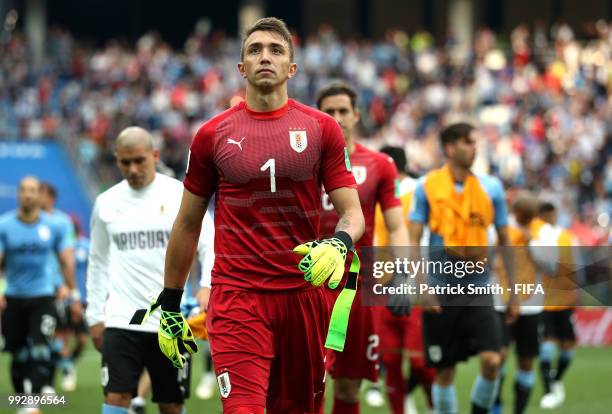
(502,377)
(138,401)
(66,365)
(522,389)
(476,409)
(113,409)
(547,351)
(395,381)
(484,392)
(444,399)
(341,407)
(564,360)
(41,367)
(19,366)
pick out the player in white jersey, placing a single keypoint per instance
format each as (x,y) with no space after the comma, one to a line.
(130,227)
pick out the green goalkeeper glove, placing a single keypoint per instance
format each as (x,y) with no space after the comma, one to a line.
(174,334)
(324,259)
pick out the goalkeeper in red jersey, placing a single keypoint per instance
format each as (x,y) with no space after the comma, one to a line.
(266,159)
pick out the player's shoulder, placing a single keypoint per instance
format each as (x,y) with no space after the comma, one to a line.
(8,217)
(164,179)
(168,183)
(374,155)
(49,219)
(57,221)
(309,111)
(491,184)
(429,175)
(112,193)
(208,128)
(61,216)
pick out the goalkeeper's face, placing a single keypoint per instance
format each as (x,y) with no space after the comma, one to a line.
(266,60)
(137,164)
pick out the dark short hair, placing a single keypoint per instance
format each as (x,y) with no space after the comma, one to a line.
(269,24)
(546,207)
(455,132)
(525,203)
(399,156)
(337,88)
(49,189)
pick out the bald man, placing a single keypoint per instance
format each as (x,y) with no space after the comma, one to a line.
(28,237)
(130,227)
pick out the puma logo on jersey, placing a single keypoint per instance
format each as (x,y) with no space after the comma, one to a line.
(232,141)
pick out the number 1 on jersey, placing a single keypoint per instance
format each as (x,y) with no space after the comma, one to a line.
(271,164)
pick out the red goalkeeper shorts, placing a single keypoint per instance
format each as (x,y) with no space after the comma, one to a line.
(268,348)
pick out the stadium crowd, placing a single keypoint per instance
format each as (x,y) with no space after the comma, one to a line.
(542,108)
(541,95)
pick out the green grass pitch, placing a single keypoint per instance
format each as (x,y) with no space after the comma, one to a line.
(588,387)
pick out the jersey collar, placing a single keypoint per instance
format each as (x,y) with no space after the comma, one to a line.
(275,114)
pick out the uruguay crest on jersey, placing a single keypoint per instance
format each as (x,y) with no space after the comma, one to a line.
(360,173)
(298,140)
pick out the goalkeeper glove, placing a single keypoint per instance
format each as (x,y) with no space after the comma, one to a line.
(324,259)
(174,334)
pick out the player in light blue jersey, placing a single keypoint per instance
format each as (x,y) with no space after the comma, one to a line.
(27,237)
(458,207)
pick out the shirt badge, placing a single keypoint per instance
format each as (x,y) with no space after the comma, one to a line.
(298,140)
(360,174)
(44,233)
